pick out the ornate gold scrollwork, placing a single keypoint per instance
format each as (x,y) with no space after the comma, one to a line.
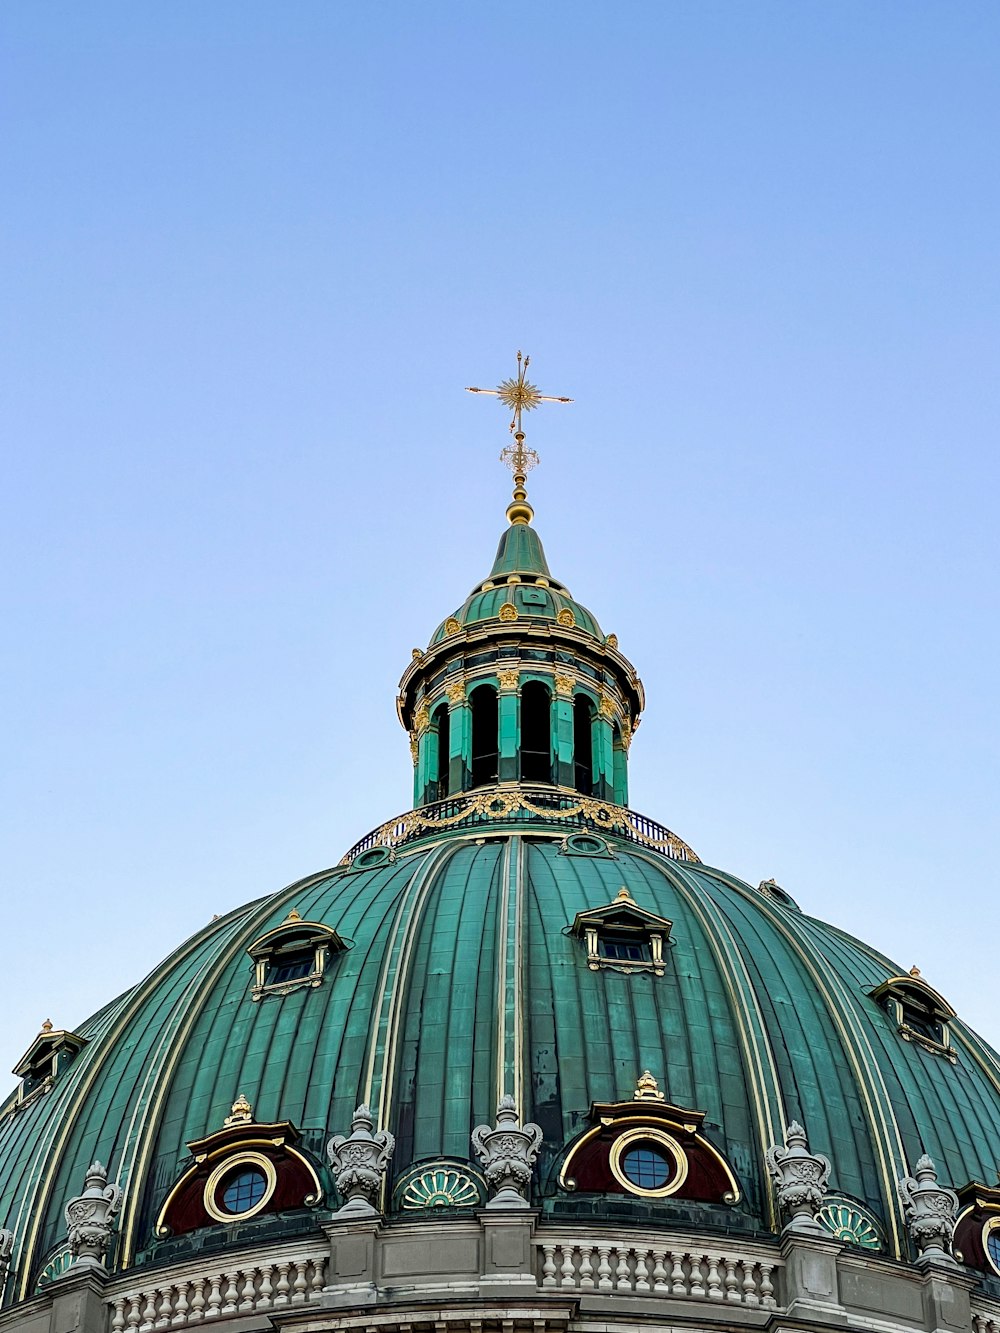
(452,626)
(421,718)
(508,679)
(508,611)
(607,705)
(566,618)
(564,685)
(455,692)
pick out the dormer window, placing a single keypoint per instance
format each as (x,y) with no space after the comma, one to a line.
(295,954)
(623,936)
(52,1051)
(920,1014)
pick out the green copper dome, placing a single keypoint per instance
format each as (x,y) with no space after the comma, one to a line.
(520,577)
(461,978)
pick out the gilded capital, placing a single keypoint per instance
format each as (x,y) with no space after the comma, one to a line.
(421,718)
(607,705)
(455,691)
(508,679)
(564,685)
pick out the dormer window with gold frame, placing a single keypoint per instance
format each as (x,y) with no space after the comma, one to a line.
(920,1014)
(623,936)
(52,1051)
(295,954)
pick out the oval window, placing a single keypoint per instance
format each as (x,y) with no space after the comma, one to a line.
(646,1167)
(242,1191)
(586,844)
(376,856)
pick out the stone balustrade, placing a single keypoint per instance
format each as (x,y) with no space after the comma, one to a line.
(985,1315)
(213,1294)
(657,1270)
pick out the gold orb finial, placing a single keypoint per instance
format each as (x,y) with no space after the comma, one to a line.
(242,1112)
(647,1089)
(914,971)
(47,1025)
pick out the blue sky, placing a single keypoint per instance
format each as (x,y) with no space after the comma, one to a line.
(251,253)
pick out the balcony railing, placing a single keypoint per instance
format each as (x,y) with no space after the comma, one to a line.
(526,805)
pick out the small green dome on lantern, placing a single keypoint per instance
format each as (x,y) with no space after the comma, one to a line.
(520,578)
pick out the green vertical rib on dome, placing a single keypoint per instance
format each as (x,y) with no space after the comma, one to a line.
(520,552)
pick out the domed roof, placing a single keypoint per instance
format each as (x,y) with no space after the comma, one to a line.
(457,971)
(521,578)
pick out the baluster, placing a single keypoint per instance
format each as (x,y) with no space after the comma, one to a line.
(118,1318)
(749,1284)
(148,1313)
(660,1271)
(549,1266)
(299,1285)
(266,1288)
(586,1267)
(767,1287)
(316,1283)
(281,1290)
(567,1270)
(231,1294)
(730,1282)
(678,1285)
(164,1310)
(181,1304)
(715,1292)
(604,1268)
(622,1280)
(214,1306)
(248,1294)
(197,1301)
(134,1313)
(697,1285)
(641,1271)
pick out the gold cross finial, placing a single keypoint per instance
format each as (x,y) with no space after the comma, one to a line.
(520,395)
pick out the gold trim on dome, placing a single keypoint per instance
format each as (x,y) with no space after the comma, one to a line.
(452,626)
(252,1159)
(566,618)
(501,802)
(508,611)
(612,641)
(642,1134)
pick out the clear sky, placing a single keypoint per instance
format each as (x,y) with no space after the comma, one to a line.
(251,253)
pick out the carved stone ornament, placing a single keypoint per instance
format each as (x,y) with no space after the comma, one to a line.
(421,718)
(564,685)
(800,1178)
(359,1161)
(930,1210)
(566,618)
(508,679)
(507,1152)
(508,611)
(607,705)
(455,692)
(6,1250)
(452,626)
(90,1218)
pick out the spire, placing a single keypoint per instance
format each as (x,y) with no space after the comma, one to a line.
(519,395)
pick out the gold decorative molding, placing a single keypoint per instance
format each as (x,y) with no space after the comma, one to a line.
(612,641)
(452,626)
(564,685)
(508,611)
(455,691)
(414,747)
(421,718)
(566,618)
(508,679)
(607,705)
(626,734)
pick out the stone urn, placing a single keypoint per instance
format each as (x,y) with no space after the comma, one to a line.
(507,1151)
(931,1209)
(90,1218)
(800,1179)
(359,1161)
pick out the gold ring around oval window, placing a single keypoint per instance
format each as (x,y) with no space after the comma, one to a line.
(657,1137)
(256,1159)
